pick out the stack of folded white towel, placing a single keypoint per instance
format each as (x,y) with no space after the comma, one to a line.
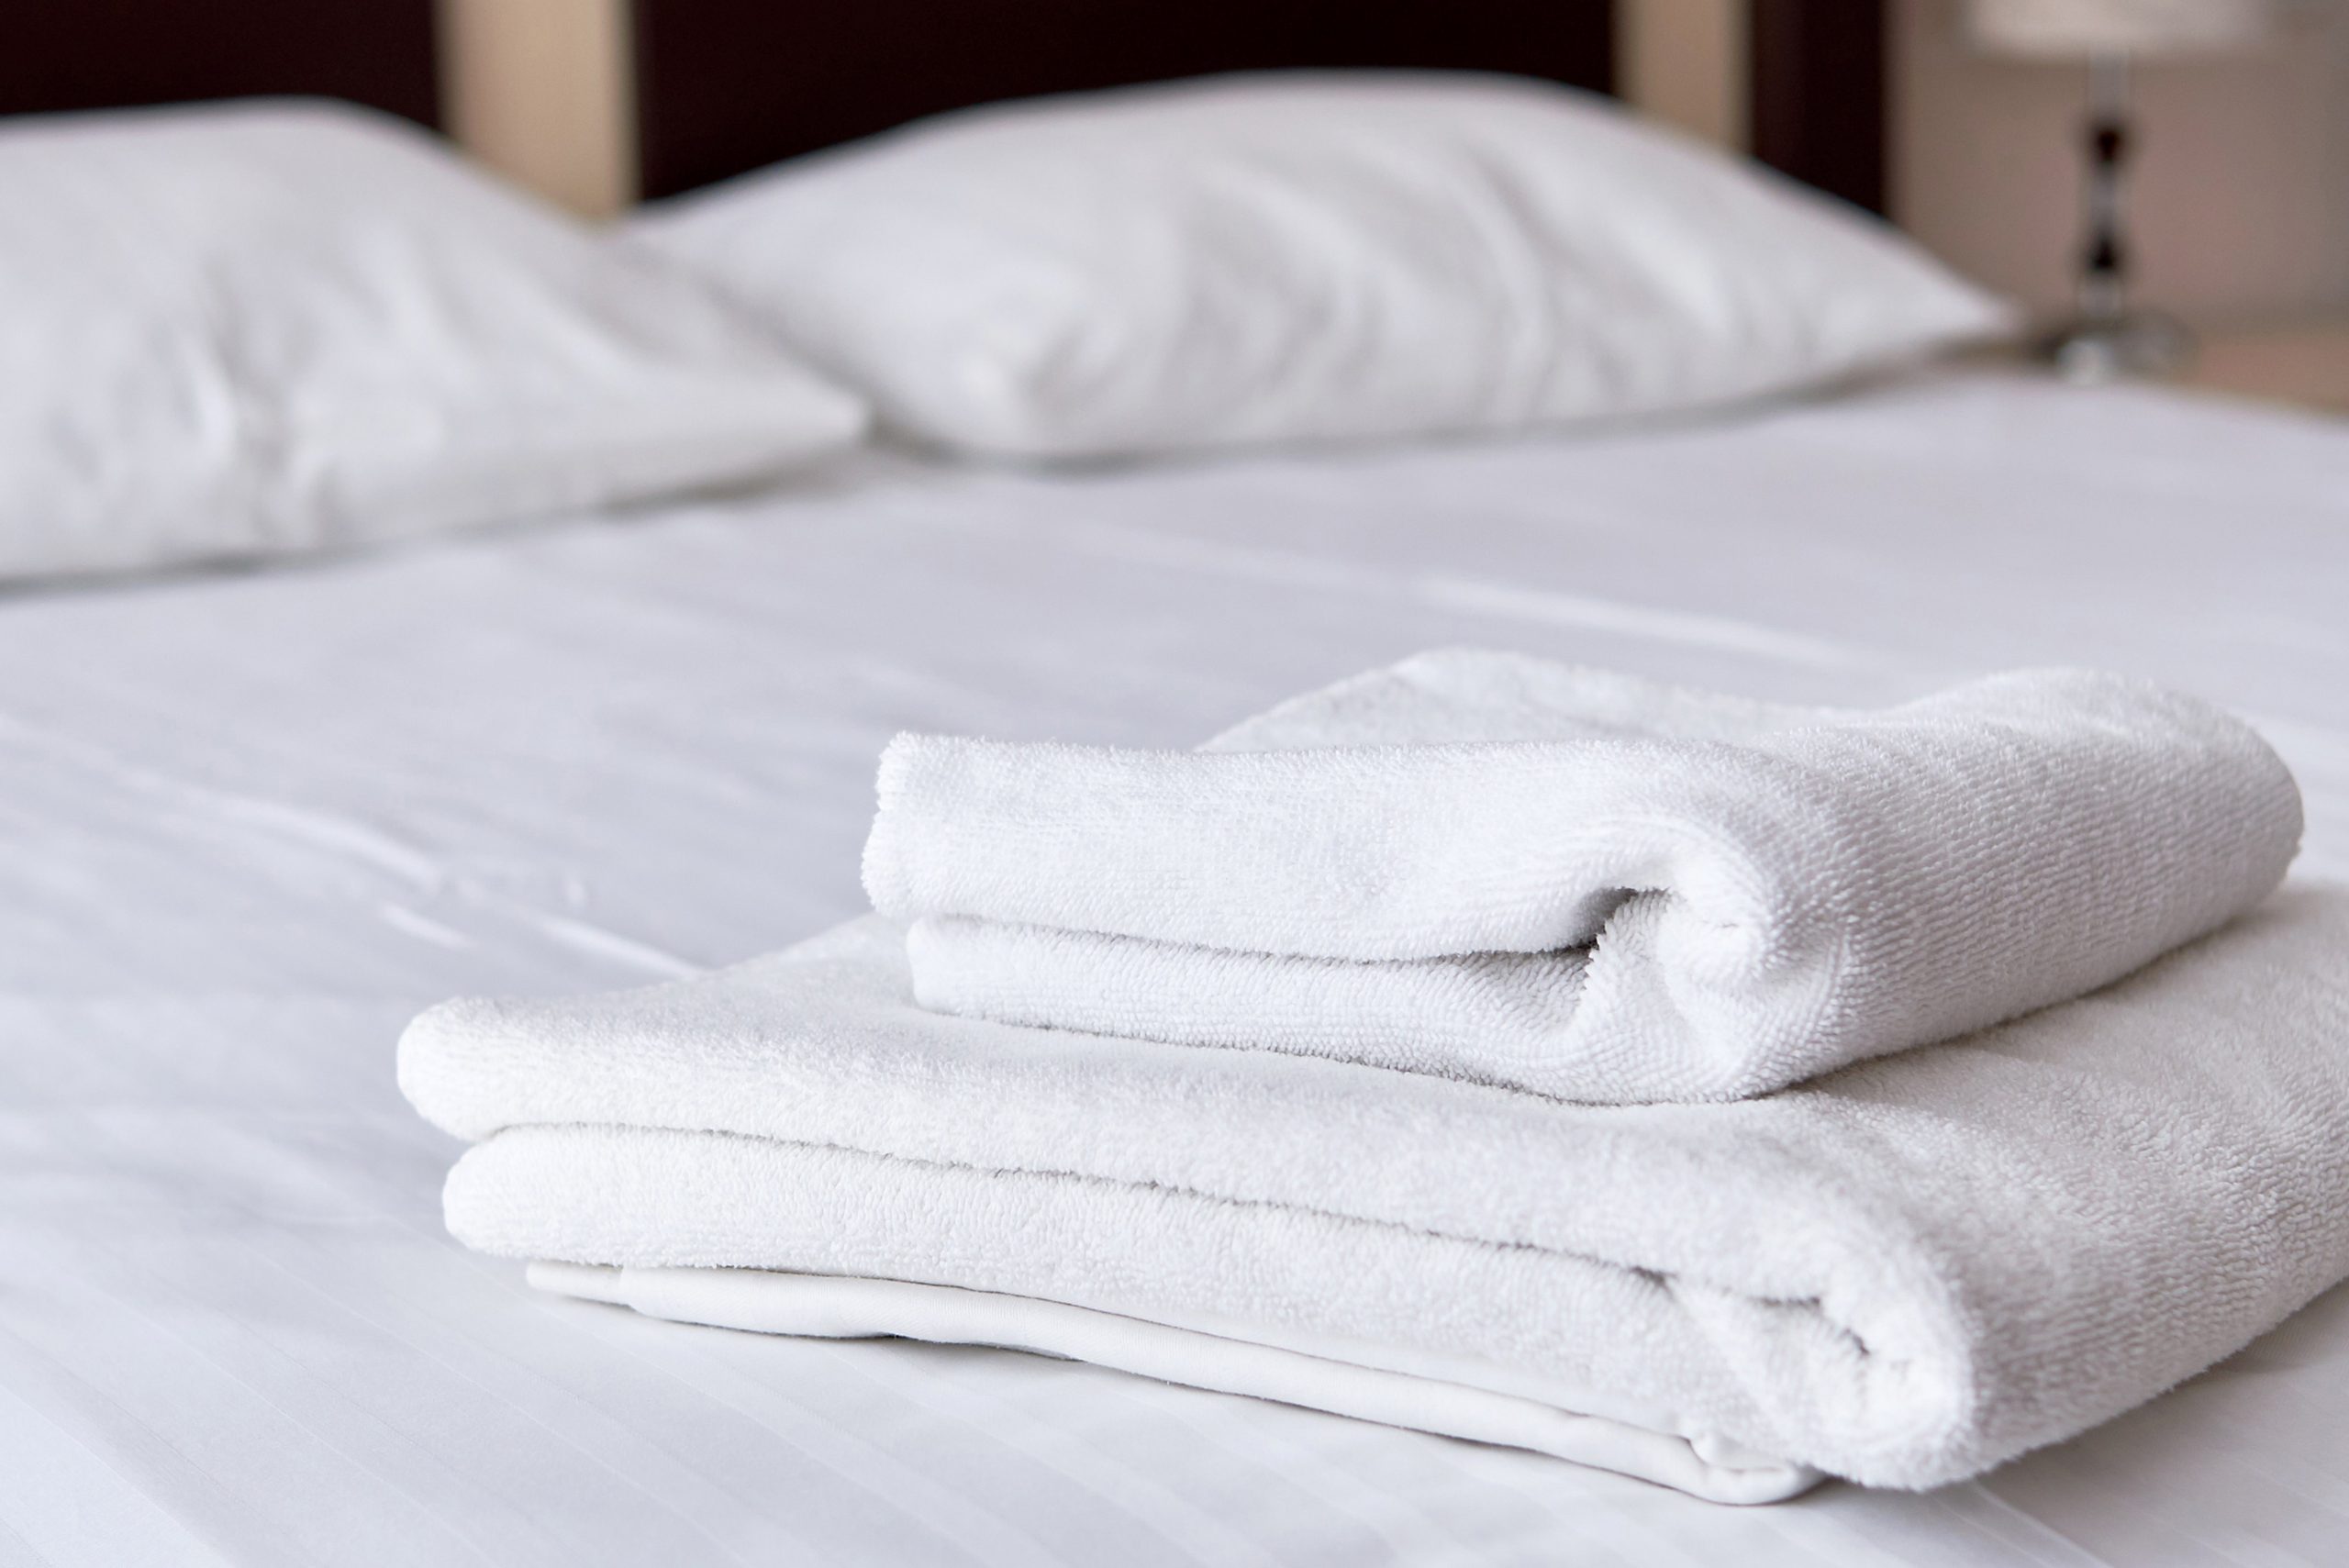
(1721,1093)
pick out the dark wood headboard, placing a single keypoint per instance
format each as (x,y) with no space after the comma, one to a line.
(1818,77)
(724,86)
(596,101)
(728,86)
(101,54)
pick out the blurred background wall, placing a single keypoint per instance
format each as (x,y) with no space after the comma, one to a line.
(2240,194)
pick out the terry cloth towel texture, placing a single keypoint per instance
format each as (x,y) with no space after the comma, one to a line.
(1592,887)
(1902,1273)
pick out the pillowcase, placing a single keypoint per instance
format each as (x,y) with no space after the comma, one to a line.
(237,330)
(1270,257)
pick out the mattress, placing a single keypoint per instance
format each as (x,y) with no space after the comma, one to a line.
(253,822)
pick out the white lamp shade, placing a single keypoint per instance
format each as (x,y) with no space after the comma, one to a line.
(2070,29)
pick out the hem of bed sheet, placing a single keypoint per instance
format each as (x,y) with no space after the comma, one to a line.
(1211,1358)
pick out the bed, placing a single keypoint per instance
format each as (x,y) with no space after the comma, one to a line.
(256,819)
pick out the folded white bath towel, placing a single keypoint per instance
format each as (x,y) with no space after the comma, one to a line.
(1903,1273)
(1593,887)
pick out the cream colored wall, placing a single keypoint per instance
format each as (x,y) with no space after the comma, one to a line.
(2240,196)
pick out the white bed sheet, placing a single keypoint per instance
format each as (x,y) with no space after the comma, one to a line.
(250,824)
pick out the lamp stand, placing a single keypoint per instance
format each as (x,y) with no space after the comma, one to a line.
(2105,340)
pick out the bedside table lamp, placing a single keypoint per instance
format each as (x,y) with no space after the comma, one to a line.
(2105,339)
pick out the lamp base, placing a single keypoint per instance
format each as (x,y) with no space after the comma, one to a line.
(2093,350)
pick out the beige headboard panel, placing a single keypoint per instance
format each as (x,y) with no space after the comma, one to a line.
(543,91)
(1686,63)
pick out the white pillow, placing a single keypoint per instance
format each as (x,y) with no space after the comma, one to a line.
(1279,257)
(229,331)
